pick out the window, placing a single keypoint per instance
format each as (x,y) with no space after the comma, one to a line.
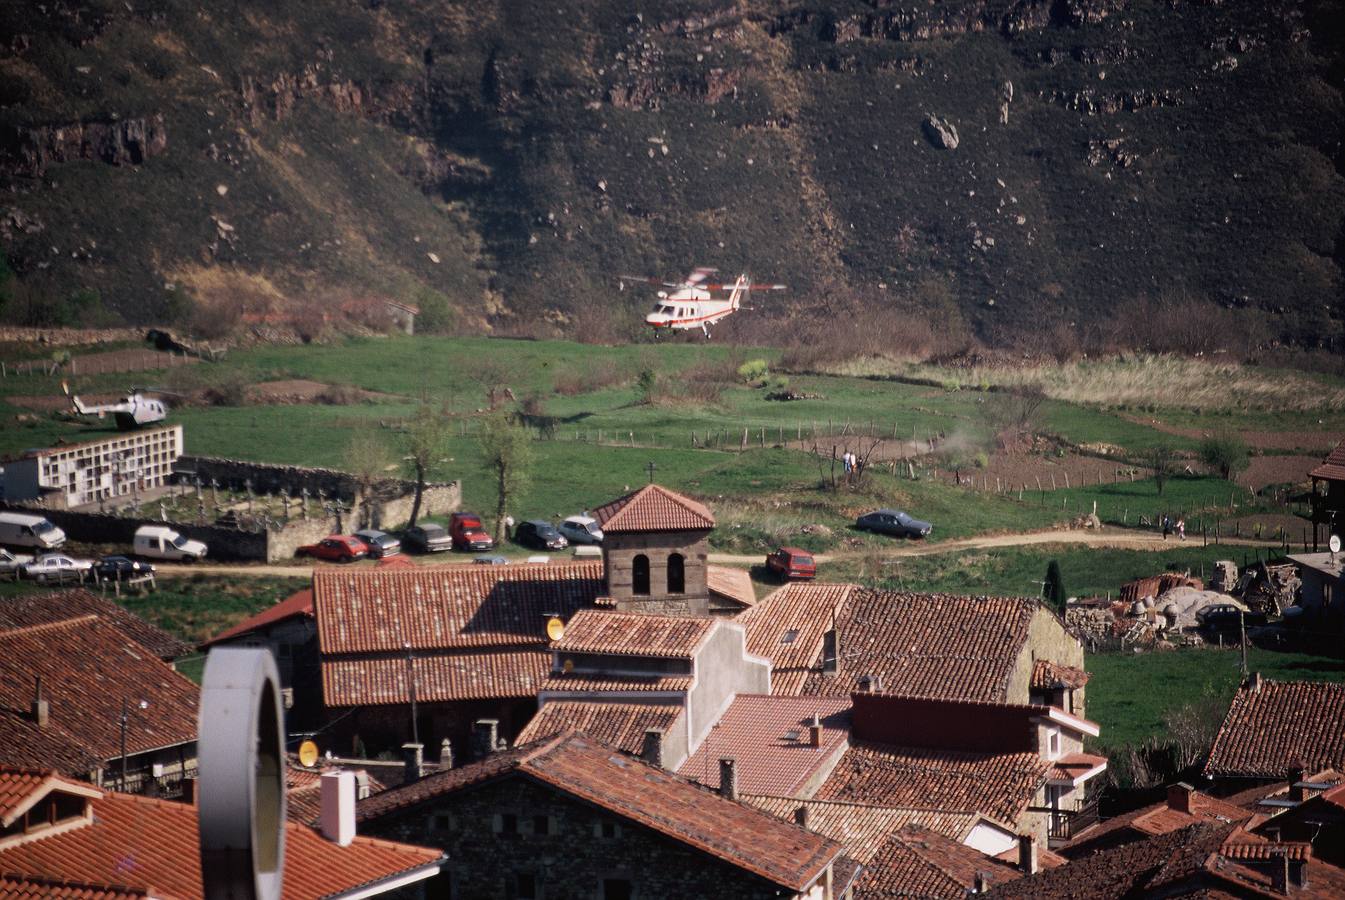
(677,575)
(617,889)
(1053,743)
(442,822)
(506,823)
(606,829)
(541,825)
(639,575)
(789,636)
(525,886)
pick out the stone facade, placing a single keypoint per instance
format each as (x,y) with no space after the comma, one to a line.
(507,836)
(626,556)
(1046,639)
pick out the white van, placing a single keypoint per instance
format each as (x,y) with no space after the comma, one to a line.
(25,530)
(162,542)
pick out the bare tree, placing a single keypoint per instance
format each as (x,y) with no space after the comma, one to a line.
(424,440)
(1163,460)
(368,458)
(507,447)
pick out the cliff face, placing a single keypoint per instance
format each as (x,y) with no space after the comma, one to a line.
(1000,166)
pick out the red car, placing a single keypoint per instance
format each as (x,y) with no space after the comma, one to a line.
(336,548)
(468,533)
(791,562)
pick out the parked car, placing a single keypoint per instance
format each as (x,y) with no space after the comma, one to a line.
(340,548)
(791,562)
(468,533)
(25,530)
(491,560)
(162,542)
(1225,617)
(380,543)
(11,563)
(893,521)
(120,568)
(539,534)
(57,567)
(581,530)
(427,538)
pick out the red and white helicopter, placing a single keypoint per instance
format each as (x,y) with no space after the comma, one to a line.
(692,304)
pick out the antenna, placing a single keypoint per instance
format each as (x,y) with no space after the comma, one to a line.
(555,628)
(308,754)
(1334,544)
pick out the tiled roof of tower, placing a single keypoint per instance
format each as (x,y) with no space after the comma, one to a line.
(89,667)
(465,675)
(1272,725)
(1047,675)
(613,722)
(437,607)
(156,843)
(579,766)
(1333,467)
(769,737)
(918,862)
(634,634)
(653,508)
(730,582)
(300,603)
(787,628)
(929,645)
(60,606)
(862,828)
(998,785)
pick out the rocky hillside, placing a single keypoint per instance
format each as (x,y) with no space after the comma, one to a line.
(1005,168)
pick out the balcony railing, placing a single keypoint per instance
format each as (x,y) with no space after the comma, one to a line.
(167,786)
(1072,819)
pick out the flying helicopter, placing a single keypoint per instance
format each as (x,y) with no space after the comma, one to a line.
(691,303)
(131,412)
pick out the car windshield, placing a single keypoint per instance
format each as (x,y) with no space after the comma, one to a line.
(43,527)
(547,531)
(179,542)
(803,560)
(433,531)
(592,528)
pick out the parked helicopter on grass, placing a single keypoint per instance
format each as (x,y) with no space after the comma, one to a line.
(131,412)
(692,303)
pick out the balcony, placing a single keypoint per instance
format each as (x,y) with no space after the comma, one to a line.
(167,786)
(1071,820)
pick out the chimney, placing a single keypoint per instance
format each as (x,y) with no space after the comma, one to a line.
(189,791)
(445,754)
(1027,854)
(41,710)
(801,816)
(1254,682)
(485,733)
(1279,873)
(361,785)
(652,752)
(1181,797)
(413,757)
(831,650)
(338,807)
(728,779)
(815,731)
(982,885)
(1297,792)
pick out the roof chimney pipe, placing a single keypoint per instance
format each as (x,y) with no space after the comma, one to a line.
(485,734)
(1181,797)
(801,815)
(815,731)
(1027,854)
(982,885)
(652,751)
(728,779)
(338,807)
(413,758)
(1297,792)
(41,709)
(445,754)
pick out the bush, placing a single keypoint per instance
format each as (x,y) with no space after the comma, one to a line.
(754,371)
(647,382)
(1226,454)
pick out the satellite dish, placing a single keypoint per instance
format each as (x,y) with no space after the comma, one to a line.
(1334,543)
(555,628)
(568,666)
(308,753)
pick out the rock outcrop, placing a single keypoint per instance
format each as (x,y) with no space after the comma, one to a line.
(941,132)
(28,151)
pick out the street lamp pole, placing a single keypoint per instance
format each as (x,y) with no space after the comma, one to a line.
(121,785)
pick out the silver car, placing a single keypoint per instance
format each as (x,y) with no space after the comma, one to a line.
(581,530)
(12,563)
(57,567)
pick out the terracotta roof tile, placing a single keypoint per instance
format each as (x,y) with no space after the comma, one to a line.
(731,583)
(653,508)
(303,791)
(769,738)
(1280,724)
(88,667)
(860,827)
(437,607)
(18,887)
(613,722)
(465,675)
(787,627)
(572,682)
(155,843)
(1333,467)
(998,785)
(634,634)
(918,862)
(1158,818)
(59,606)
(583,768)
(23,744)
(1047,675)
(300,603)
(929,645)
(1071,768)
(19,788)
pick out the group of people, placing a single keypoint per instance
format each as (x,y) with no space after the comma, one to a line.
(850,461)
(1169,527)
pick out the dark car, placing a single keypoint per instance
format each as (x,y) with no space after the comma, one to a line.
(120,568)
(380,543)
(491,560)
(539,534)
(893,521)
(336,548)
(791,562)
(427,538)
(1227,617)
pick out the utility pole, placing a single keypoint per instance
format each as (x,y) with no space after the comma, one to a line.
(121,785)
(411,690)
(651,467)
(1242,627)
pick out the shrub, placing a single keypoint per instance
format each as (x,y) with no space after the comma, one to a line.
(647,382)
(1225,453)
(753,371)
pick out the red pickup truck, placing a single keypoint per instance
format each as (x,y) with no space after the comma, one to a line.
(468,533)
(792,563)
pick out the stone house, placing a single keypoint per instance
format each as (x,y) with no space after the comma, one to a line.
(1321,593)
(1276,727)
(570,817)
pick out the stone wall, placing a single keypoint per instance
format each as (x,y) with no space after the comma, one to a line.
(619,552)
(1046,639)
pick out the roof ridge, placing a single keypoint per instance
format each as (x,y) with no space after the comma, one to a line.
(71,622)
(900,839)
(877,806)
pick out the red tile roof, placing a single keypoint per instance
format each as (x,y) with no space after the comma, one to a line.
(572,682)
(440,677)
(787,628)
(1047,675)
(860,827)
(1158,818)
(17,887)
(730,583)
(20,788)
(89,667)
(998,785)
(653,508)
(613,722)
(1273,725)
(155,844)
(1333,467)
(303,790)
(23,744)
(300,603)
(621,784)
(929,645)
(59,606)
(1070,769)
(918,862)
(756,731)
(634,634)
